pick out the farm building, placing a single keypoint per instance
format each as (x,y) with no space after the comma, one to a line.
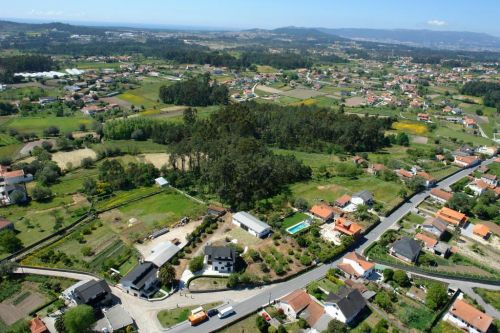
(251,224)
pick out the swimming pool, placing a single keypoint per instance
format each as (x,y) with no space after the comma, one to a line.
(298,227)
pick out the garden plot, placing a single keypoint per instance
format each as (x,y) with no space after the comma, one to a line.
(74,157)
(21,304)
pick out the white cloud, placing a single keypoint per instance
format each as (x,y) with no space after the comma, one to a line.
(436,23)
(46,13)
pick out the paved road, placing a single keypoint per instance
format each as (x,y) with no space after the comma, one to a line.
(251,304)
(48,272)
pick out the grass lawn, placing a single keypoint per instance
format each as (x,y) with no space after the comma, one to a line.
(313,160)
(490,296)
(246,325)
(168,206)
(371,318)
(413,314)
(131,146)
(124,196)
(494,169)
(6,140)
(294,219)
(329,285)
(169,318)
(445,327)
(72,182)
(329,190)
(208,283)
(38,124)
(457,133)
(96,65)
(11,150)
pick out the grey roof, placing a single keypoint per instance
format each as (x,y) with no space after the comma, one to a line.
(220,252)
(118,318)
(349,301)
(365,195)
(251,222)
(139,275)
(406,247)
(439,225)
(92,290)
(162,253)
(442,247)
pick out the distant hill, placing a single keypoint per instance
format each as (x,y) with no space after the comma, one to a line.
(456,40)
(306,33)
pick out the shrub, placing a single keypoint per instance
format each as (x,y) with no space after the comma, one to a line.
(196,264)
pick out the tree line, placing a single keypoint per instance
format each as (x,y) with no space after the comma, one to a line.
(490,91)
(196,91)
(228,154)
(23,63)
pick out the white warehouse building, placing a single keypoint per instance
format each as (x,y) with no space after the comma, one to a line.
(251,224)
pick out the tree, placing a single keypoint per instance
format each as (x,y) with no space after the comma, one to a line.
(17,197)
(281,329)
(6,268)
(388,274)
(79,319)
(9,241)
(262,324)
(301,204)
(166,274)
(196,264)
(381,326)
(41,193)
(87,162)
(461,202)
(437,296)
(383,300)
(335,326)
(416,184)
(59,324)
(401,278)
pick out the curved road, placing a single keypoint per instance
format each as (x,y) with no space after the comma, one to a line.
(248,301)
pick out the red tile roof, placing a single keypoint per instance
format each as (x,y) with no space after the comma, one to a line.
(37,326)
(322,210)
(441,194)
(471,315)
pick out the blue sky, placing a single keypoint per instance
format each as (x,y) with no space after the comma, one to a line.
(465,15)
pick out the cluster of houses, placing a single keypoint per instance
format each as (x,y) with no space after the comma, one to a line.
(335,216)
(110,314)
(352,298)
(13,185)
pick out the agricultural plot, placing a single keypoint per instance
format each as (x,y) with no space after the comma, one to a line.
(73,158)
(146,95)
(39,124)
(6,140)
(131,146)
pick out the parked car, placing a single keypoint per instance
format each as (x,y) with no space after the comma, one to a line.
(212,312)
(266,316)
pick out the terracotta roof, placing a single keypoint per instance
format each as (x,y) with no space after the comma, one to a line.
(343,200)
(481,230)
(481,184)
(348,269)
(14,173)
(313,313)
(378,167)
(347,227)
(425,176)
(451,216)
(405,173)
(471,315)
(466,159)
(322,210)
(366,265)
(428,241)
(441,194)
(298,300)
(37,326)
(4,223)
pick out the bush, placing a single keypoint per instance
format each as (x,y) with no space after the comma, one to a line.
(41,193)
(305,260)
(196,264)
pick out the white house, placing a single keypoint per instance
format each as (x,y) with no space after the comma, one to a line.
(142,281)
(490,179)
(251,224)
(345,305)
(356,266)
(220,258)
(467,317)
(362,198)
(162,253)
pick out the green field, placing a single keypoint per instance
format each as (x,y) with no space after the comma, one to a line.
(489,296)
(166,207)
(124,196)
(6,140)
(131,146)
(146,95)
(329,190)
(454,131)
(38,124)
